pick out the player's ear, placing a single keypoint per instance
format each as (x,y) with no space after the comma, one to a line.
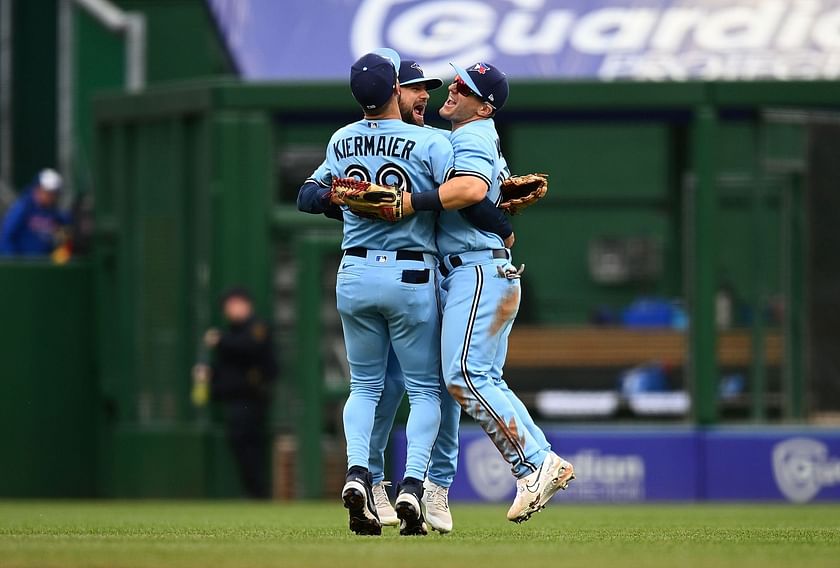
(486,110)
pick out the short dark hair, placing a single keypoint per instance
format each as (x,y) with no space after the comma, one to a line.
(378,110)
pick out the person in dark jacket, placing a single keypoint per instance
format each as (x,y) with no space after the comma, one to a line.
(34,225)
(241,375)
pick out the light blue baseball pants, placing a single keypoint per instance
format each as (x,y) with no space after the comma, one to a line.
(478,312)
(444,460)
(384,301)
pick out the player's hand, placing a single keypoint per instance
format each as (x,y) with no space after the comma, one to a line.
(212,337)
(335,199)
(407,209)
(510,240)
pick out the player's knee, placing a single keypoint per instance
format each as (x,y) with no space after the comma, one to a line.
(458,393)
(367,389)
(422,395)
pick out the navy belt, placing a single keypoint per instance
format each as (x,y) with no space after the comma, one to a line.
(455,261)
(401,254)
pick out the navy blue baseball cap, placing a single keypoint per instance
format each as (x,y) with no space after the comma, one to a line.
(373,77)
(411,74)
(486,81)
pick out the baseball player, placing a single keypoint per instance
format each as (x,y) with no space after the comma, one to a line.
(482,291)
(386,291)
(414,97)
(314,197)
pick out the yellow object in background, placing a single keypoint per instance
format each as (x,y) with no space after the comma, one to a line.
(61,254)
(63,249)
(200,394)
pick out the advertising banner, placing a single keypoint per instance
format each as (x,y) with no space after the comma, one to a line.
(797,466)
(609,466)
(654,465)
(640,40)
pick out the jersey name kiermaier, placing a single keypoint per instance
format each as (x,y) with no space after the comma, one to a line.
(477,153)
(322,176)
(390,152)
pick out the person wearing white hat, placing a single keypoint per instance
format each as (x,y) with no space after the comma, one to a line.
(33,224)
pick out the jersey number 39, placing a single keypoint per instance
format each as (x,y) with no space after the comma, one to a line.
(389,174)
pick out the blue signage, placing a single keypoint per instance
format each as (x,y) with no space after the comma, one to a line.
(797,466)
(640,40)
(654,465)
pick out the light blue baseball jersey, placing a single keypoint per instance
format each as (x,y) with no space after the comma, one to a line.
(321,175)
(390,152)
(445,133)
(477,153)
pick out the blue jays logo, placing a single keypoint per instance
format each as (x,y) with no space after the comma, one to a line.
(481,68)
(417,66)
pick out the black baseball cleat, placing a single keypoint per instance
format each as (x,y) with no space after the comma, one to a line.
(410,494)
(358,500)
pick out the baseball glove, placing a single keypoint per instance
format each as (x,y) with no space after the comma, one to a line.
(519,192)
(369,200)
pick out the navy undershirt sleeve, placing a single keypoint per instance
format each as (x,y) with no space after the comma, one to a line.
(315,198)
(486,216)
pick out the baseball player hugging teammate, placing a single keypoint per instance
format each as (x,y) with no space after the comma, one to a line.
(314,197)
(386,290)
(482,292)
(400,216)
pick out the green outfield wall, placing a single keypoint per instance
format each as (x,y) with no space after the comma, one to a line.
(48,373)
(195,180)
(195,190)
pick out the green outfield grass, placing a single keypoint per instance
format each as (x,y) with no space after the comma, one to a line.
(218,535)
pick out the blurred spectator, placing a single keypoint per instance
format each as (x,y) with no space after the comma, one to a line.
(34,226)
(240,376)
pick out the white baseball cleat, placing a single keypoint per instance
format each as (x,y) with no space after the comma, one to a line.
(536,489)
(387,514)
(436,503)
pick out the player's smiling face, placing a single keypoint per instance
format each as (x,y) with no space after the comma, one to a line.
(460,107)
(413,101)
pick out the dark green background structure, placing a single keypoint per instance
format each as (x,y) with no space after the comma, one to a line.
(185,181)
(191,197)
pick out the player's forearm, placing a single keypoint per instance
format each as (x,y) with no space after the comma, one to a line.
(313,198)
(316,199)
(486,216)
(462,191)
(457,193)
